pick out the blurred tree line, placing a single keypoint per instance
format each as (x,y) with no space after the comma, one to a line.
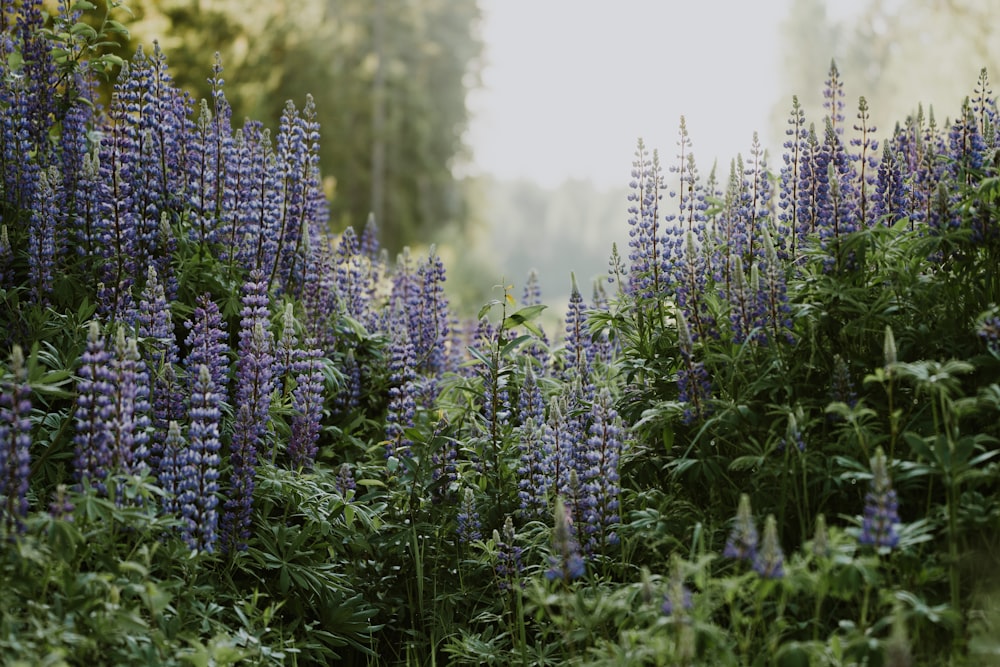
(895,53)
(389,78)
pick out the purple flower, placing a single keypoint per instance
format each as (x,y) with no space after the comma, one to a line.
(130,430)
(509,566)
(199,484)
(402,388)
(678,599)
(94,414)
(160,353)
(45,216)
(254,385)
(578,340)
(881,515)
(769,561)
(646,254)
(307,402)
(345,480)
(15,444)
(469,526)
(207,346)
(535,471)
(742,542)
(788,192)
(602,451)
(565,563)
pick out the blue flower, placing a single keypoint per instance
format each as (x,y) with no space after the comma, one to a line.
(769,561)
(15,444)
(742,542)
(881,514)
(94,414)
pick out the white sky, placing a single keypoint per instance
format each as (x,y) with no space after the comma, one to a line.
(569,85)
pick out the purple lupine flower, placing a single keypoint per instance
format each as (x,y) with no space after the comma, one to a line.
(530,402)
(812,175)
(692,284)
(833,99)
(349,396)
(160,353)
(74,147)
(743,305)
(286,349)
(646,252)
(678,599)
(742,542)
(198,487)
(837,195)
(402,387)
(296,157)
(369,239)
(773,312)
(307,402)
(444,473)
(535,472)
(469,526)
(130,430)
(752,204)
(788,191)
(889,200)
(769,561)
(690,215)
(988,331)
(578,339)
(15,444)
(6,256)
(254,385)
(693,383)
(16,137)
(509,567)
(881,517)
(565,563)
(434,321)
(345,480)
(496,407)
(602,451)
(61,508)
(206,343)
(867,163)
(172,471)
(842,388)
(94,414)
(45,215)
(352,277)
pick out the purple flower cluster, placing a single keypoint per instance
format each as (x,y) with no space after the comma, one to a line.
(742,542)
(15,443)
(95,409)
(566,563)
(469,528)
(881,515)
(199,464)
(307,402)
(254,385)
(509,567)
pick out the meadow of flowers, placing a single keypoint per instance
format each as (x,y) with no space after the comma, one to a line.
(230,436)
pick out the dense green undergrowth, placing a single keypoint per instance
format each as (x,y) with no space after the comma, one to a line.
(229,436)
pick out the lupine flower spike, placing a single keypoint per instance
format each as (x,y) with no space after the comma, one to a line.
(878,527)
(770,560)
(566,561)
(742,542)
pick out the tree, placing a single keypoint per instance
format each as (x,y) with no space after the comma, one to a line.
(389,78)
(896,54)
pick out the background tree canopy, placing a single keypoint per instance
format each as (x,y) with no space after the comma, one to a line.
(389,77)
